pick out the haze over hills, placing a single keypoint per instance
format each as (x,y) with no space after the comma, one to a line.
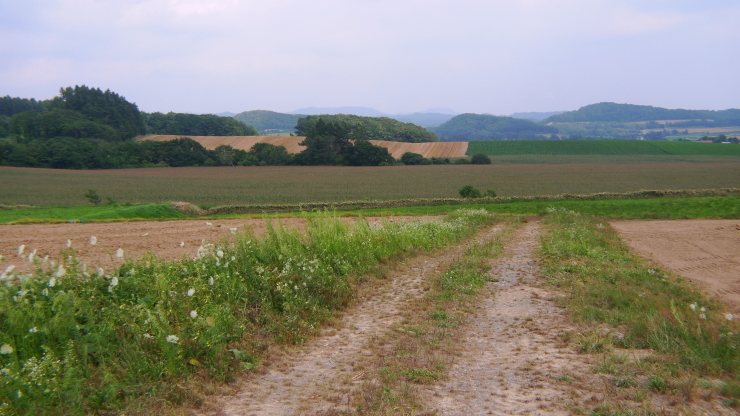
(626,113)
(536,116)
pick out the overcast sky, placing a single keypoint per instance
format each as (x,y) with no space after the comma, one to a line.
(481,56)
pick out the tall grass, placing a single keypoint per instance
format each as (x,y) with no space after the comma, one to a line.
(77,341)
(646,306)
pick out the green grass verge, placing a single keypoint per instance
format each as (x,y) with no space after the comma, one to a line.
(658,208)
(646,307)
(89,213)
(600,147)
(75,341)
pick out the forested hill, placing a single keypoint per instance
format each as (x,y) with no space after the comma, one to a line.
(195,125)
(265,120)
(467,127)
(613,112)
(371,128)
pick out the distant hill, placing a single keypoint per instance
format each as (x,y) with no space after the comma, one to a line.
(536,116)
(264,120)
(423,119)
(467,127)
(623,113)
(358,111)
(372,128)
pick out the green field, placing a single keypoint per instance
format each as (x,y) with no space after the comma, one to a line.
(214,186)
(600,147)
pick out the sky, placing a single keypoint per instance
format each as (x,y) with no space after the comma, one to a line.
(397,56)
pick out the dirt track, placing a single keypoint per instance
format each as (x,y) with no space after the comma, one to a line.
(704,251)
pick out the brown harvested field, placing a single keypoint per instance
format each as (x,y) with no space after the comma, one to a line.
(713,129)
(296,184)
(706,252)
(238,142)
(434,149)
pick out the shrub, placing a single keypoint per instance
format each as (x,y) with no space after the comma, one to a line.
(411,158)
(480,159)
(468,191)
(462,161)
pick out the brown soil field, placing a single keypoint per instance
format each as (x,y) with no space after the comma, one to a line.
(169,240)
(706,252)
(713,129)
(238,142)
(434,149)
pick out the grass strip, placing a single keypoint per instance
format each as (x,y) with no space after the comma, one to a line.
(78,341)
(689,341)
(421,348)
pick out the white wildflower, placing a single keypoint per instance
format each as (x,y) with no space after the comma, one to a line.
(18,394)
(729,317)
(6,349)
(45,292)
(172,339)
(191,292)
(210,280)
(22,293)
(703,309)
(61,272)
(220,254)
(147,336)
(693,306)
(114,281)
(32,256)
(182,244)
(119,253)
(145,234)
(7,271)
(33,330)
(93,240)
(233,230)
(703,316)
(46,259)
(5,371)
(101,272)
(193,314)
(21,249)
(233,258)
(52,282)
(69,243)
(209,224)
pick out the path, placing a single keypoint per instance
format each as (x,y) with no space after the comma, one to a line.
(321,375)
(514,360)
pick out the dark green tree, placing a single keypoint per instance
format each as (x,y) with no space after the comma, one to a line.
(480,159)
(411,158)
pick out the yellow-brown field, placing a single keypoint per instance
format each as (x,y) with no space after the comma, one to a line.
(435,149)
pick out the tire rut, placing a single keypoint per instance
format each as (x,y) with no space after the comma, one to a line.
(321,375)
(513,353)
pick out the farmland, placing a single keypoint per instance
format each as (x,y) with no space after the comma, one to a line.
(601,147)
(429,149)
(213,186)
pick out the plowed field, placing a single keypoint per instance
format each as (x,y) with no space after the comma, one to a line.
(435,149)
(706,252)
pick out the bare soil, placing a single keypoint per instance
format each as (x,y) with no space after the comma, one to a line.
(169,240)
(706,252)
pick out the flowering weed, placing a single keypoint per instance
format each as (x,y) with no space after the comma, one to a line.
(74,342)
